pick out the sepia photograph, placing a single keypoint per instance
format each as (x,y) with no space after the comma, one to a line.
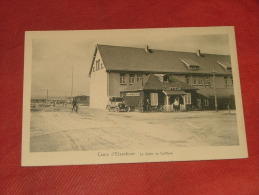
(131,95)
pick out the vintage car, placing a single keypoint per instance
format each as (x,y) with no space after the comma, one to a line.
(117,104)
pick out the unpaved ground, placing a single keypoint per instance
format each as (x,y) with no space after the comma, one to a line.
(57,129)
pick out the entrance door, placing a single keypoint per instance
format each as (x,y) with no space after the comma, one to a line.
(199,103)
(154,99)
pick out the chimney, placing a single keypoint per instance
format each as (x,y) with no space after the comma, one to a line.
(199,53)
(147,49)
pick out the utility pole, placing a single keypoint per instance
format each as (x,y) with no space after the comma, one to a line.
(214,88)
(72,83)
(47,96)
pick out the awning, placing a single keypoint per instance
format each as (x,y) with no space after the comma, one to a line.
(221,93)
(171,92)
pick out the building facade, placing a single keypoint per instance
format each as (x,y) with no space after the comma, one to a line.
(115,69)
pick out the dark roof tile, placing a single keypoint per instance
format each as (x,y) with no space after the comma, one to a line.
(117,58)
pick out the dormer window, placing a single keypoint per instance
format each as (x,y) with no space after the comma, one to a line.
(173,88)
(160,77)
(166,79)
(191,64)
(225,65)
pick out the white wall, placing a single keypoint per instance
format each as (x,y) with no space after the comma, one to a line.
(98,86)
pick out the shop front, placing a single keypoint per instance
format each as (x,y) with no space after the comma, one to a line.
(151,98)
(175,100)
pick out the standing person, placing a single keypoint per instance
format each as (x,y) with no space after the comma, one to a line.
(148,105)
(176,105)
(141,106)
(74,104)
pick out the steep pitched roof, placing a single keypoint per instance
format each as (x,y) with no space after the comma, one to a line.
(117,58)
(150,82)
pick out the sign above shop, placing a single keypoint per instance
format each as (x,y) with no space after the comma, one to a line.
(132,94)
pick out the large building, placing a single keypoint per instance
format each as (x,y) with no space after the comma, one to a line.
(188,77)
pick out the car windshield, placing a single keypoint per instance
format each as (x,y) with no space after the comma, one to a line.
(118,99)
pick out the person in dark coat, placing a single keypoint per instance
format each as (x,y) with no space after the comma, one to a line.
(74,104)
(141,106)
(147,105)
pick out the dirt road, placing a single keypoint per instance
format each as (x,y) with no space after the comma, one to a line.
(57,129)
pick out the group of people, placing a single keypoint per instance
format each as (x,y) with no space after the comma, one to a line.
(146,105)
(176,106)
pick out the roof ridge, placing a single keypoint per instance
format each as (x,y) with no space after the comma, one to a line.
(160,49)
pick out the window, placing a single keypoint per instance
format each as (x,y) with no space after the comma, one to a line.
(226,81)
(207,81)
(166,79)
(173,88)
(122,79)
(188,98)
(194,81)
(226,66)
(232,81)
(187,80)
(200,81)
(229,69)
(154,99)
(139,77)
(97,65)
(206,102)
(131,79)
(194,67)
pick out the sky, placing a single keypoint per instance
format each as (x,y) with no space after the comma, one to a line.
(53,58)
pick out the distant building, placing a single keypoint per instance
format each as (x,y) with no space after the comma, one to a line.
(38,100)
(82,99)
(58,101)
(186,76)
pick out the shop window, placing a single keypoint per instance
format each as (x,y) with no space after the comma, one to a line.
(131,79)
(206,102)
(122,79)
(154,99)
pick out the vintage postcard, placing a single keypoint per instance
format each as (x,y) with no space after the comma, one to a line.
(131,96)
